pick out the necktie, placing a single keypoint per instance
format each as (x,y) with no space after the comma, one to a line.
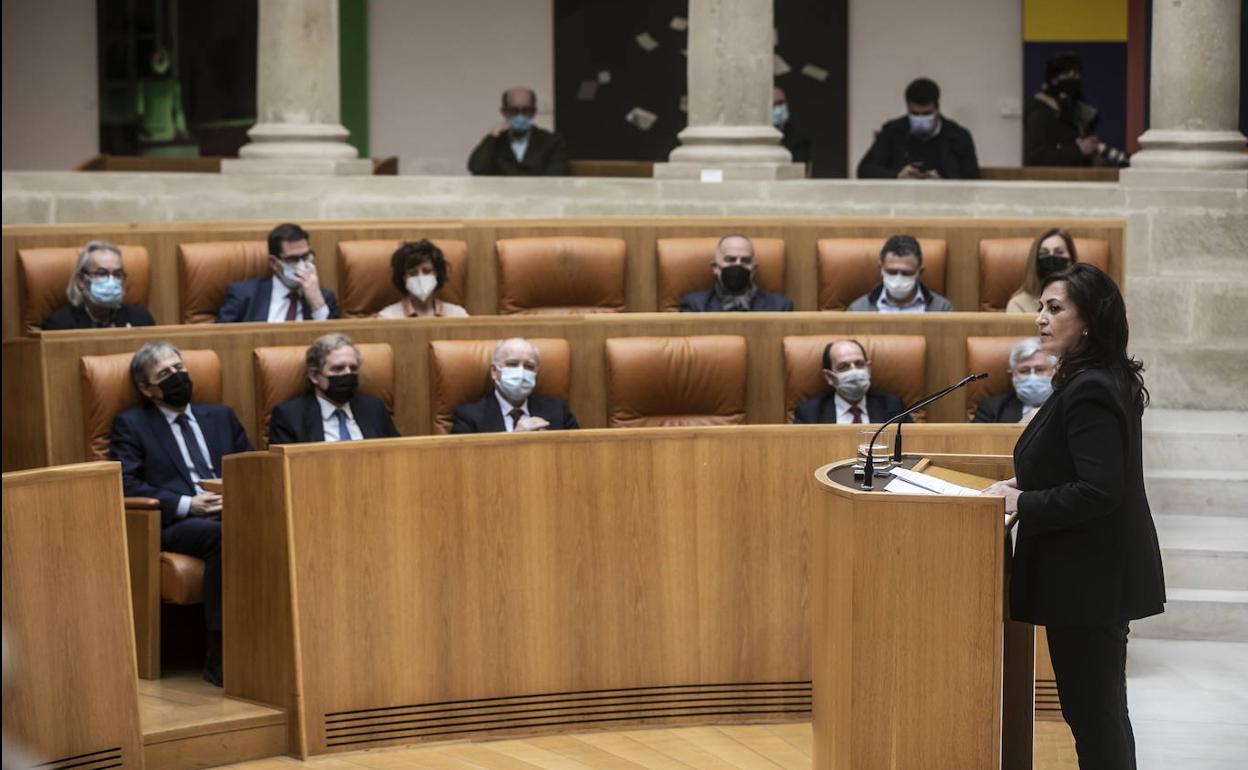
(856,411)
(343,433)
(293,308)
(201,466)
(515,415)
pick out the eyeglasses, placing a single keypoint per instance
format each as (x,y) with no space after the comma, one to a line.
(101,274)
(294,259)
(513,111)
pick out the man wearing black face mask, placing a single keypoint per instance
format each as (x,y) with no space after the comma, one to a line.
(332,409)
(734,290)
(1058,127)
(166,447)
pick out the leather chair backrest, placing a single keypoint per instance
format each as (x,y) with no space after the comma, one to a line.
(898,366)
(684,266)
(992,355)
(280,374)
(459,373)
(563,274)
(43,275)
(850,267)
(1002,262)
(107,390)
(364,285)
(662,381)
(206,270)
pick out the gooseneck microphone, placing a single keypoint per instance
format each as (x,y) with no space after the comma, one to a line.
(868,466)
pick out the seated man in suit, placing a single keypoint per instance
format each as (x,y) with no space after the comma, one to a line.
(331,409)
(95,291)
(1031,374)
(166,446)
(899,289)
(510,405)
(516,147)
(733,267)
(298,295)
(849,398)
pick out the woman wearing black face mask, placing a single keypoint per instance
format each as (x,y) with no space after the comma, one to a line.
(1058,125)
(1051,251)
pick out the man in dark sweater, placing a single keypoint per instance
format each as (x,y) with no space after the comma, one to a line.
(516,147)
(922,144)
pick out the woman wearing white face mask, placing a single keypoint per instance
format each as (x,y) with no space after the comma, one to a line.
(95,294)
(418,270)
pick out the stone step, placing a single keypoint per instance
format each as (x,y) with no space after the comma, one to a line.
(1197,492)
(1187,439)
(1204,551)
(1198,613)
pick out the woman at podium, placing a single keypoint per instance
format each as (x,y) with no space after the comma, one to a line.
(1086,560)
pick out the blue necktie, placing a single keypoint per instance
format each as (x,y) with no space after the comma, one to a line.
(201,466)
(343,433)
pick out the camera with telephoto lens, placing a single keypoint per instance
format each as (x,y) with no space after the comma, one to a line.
(1111,156)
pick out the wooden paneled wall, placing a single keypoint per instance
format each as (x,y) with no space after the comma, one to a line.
(43,421)
(70,689)
(800,234)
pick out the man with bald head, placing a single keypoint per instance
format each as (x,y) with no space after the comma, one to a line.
(511,405)
(516,147)
(733,269)
(849,398)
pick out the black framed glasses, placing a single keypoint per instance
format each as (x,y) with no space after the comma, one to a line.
(101,274)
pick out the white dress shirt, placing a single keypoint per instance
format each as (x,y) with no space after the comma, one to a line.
(843,417)
(917,303)
(184,504)
(279,303)
(506,407)
(520,146)
(329,423)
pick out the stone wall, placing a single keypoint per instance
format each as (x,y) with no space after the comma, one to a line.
(1187,249)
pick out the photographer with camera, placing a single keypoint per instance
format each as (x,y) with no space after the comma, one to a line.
(1060,128)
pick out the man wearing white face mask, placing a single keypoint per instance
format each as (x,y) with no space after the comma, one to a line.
(95,291)
(292,293)
(1031,373)
(922,144)
(418,270)
(849,398)
(511,406)
(899,289)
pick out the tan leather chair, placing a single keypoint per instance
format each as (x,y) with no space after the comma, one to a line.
(563,274)
(155,575)
(206,270)
(43,275)
(1002,262)
(850,267)
(459,373)
(684,266)
(662,381)
(364,275)
(898,366)
(281,374)
(992,355)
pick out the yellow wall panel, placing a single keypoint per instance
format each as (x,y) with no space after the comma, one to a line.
(1075,21)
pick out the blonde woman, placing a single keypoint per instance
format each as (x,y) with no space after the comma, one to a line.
(1051,251)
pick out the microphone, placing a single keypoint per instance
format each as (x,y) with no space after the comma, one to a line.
(868,466)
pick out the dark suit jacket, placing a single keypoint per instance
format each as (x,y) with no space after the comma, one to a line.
(1000,408)
(546,155)
(298,421)
(69,317)
(249,301)
(152,466)
(484,416)
(951,152)
(881,406)
(707,302)
(1086,551)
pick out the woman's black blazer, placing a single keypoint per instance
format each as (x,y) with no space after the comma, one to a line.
(1086,551)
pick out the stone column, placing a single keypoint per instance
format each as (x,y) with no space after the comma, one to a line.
(731,68)
(299,129)
(1193,138)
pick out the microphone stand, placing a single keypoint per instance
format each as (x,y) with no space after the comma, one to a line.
(868,466)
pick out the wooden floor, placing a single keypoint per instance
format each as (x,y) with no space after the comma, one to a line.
(184,701)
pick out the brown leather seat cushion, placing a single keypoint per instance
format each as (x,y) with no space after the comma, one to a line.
(992,355)
(43,275)
(206,270)
(281,374)
(850,267)
(459,373)
(364,275)
(1002,262)
(684,266)
(181,578)
(563,274)
(898,366)
(659,381)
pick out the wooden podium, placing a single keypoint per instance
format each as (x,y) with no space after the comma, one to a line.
(914,662)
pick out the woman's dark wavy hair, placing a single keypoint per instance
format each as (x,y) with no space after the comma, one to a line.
(411,254)
(1099,304)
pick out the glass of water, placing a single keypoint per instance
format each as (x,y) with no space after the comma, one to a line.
(881,453)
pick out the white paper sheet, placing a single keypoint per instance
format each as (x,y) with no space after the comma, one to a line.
(932,484)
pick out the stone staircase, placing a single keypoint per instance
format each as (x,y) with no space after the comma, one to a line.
(1196,472)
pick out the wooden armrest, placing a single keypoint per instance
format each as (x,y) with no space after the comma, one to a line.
(142,503)
(216,486)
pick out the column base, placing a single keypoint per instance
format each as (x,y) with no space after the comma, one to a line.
(303,166)
(709,171)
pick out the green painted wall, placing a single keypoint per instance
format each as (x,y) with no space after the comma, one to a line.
(353,70)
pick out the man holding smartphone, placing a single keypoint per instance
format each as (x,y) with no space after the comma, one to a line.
(292,293)
(922,144)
